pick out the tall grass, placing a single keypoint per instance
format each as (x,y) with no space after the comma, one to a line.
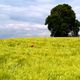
(40,59)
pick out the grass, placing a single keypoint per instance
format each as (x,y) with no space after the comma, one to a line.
(40,59)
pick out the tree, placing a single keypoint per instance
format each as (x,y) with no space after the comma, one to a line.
(76,28)
(62,20)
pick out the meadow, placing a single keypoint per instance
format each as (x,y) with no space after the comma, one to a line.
(40,59)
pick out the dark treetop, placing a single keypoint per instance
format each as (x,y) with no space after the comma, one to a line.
(62,21)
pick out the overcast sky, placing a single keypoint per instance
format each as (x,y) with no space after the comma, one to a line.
(22,18)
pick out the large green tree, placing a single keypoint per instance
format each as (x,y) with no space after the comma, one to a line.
(62,20)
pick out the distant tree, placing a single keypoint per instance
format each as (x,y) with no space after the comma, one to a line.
(76,28)
(62,20)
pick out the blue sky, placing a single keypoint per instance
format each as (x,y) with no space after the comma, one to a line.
(22,18)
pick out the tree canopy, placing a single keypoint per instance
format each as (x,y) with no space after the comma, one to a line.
(62,20)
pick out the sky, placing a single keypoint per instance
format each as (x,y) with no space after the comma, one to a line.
(26,18)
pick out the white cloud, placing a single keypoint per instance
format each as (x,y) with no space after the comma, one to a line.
(32,13)
(24,30)
(29,15)
(25,26)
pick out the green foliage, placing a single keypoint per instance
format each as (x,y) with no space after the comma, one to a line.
(40,59)
(62,20)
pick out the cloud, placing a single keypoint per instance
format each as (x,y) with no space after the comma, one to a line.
(25,26)
(32,13)
(23,30)
(27,17)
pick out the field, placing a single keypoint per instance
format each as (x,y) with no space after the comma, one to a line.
(40,59)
